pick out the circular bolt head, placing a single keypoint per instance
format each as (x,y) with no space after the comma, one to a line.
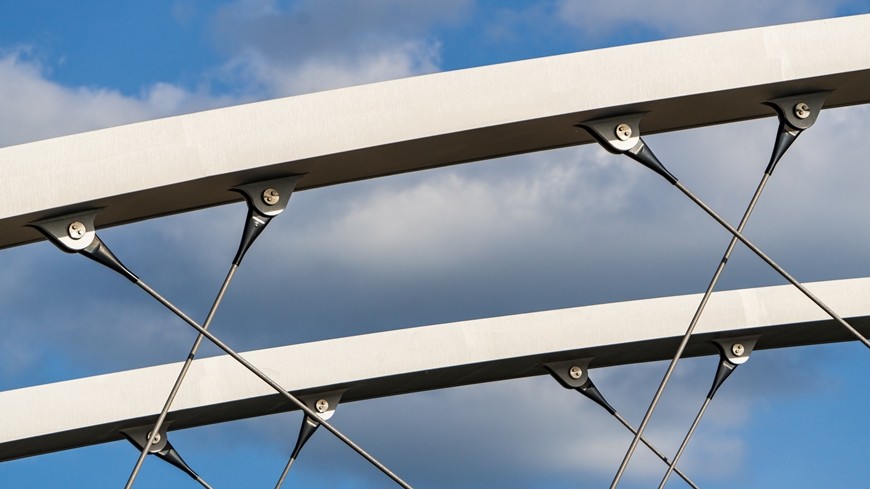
(575,372)
(623,132)
(156,438)
(271,196)
(737,349)
(76,230)
(802,110)
(322,405)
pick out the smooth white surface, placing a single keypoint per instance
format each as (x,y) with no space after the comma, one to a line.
(218,389)
(187,162)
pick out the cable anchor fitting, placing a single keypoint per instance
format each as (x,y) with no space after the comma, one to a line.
(322,404)
(732,353)
(266,199)
(621,135)
(76,233)
(574,374)
(796,114)
(161,447)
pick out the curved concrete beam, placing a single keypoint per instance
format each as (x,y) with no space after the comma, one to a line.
(187,162)
(93,410)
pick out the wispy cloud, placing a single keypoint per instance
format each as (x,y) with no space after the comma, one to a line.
(554,229)
(282,50)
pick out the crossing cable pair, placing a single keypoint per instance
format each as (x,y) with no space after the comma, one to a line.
(621,135)
(76,233)
(574,374)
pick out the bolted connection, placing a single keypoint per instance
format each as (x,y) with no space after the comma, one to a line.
(321,405)
(271,196)
(623,132)
(802,110)
(76,230)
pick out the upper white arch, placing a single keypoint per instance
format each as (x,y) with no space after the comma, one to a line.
(187,162)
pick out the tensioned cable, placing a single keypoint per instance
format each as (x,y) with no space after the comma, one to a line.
(155,430)
(773,265)
(261,209)
(92,247)
(309,425)
(739,354)
(685,340)
(605,130)
(590,391)
(293,399)
(671,465)
(685,442)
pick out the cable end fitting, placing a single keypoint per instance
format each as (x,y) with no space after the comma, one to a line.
(161,447)
(76,233)
(643,155)
(255,223)
(796,114)
(266,199)
(100,253)
(732,353)
(621,135)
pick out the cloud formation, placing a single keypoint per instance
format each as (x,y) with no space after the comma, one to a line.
(555,229)
(279,49)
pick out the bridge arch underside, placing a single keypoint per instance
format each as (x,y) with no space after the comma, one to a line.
(193,161)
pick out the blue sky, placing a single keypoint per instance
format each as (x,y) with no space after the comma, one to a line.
(561,228)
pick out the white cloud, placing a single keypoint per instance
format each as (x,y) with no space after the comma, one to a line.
(281,50)
(35,107)
(601,225)
(259,72)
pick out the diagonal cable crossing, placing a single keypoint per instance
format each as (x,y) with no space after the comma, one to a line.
(77,234)
(621,135)
(265,201)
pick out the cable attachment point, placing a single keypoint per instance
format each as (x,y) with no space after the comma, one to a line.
(799,112)
(796,114)
(139,437)
(574,374)
(324,405)
(266,199)
(732,353)
(71,233)
(621,135)
(76,233)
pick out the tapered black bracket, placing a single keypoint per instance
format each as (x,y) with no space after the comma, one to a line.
(76,233)
(796,114)
(621,135)
(571,374)
(324,405)
(162,448)
(732,353)
(266,199)
(574,374)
